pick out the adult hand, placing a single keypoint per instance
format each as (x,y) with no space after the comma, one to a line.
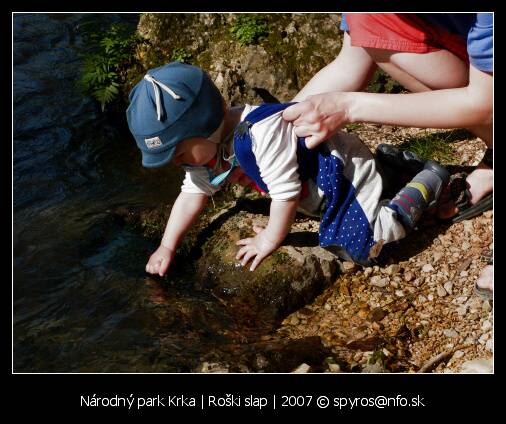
(256,248)
(160,260)
(318,117)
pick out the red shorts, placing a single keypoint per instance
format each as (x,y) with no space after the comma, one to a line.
(403,32)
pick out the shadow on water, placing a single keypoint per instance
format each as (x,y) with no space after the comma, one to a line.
(82,301)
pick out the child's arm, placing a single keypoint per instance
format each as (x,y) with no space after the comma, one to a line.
(184,212)
(268,239)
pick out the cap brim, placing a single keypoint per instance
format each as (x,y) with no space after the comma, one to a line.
(155,160)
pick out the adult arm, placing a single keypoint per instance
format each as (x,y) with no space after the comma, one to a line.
(321,115)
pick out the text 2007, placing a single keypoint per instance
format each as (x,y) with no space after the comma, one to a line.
(296,400)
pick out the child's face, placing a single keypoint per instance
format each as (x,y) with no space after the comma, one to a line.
(195,151)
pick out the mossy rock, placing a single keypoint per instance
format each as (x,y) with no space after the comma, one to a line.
(285,281)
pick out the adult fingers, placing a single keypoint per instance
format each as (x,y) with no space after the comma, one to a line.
(314,140)
(293,112)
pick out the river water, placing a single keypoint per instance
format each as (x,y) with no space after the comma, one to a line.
(81,299)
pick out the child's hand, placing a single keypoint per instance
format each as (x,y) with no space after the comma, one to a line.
(258,247)
(160,260)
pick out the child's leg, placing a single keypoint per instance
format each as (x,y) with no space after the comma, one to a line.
(421,193)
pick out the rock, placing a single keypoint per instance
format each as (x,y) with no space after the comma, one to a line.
(301,369)
(378,281)
(294,320)
(284,282)
(399,293)
(451,333)
(461,299)
(427,268)
(377,314)
(458,354)
(441,292)
(436,256)
(212,367)
(348,266)
(461,311)
(486,307)
(486,326)
(430,297)
(448,286)
(334,368)
(392,269)
(480,366)
(327,307)
(367,272)
(374,368)
(408,276)
(489,345)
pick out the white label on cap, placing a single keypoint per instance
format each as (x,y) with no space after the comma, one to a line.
(153,142)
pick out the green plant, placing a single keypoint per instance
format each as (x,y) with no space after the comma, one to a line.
(382,83)
(434,146)
(249,29)
(109,53)
(180,54)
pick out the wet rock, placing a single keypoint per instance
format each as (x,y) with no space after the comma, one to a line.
(285,281)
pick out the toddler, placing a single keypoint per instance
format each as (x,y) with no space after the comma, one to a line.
(176,114)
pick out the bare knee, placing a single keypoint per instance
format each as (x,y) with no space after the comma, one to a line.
(423,71)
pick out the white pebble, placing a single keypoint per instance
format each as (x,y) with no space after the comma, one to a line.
(448,287)
(487,325)
(450,332)
(427,268)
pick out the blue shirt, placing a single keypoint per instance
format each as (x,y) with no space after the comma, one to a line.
(475,28)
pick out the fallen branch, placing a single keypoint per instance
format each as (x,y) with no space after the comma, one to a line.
(436,360)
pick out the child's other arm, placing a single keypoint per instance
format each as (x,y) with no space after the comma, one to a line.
(184,212)
(268,239)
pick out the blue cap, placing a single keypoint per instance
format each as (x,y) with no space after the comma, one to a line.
(170,104)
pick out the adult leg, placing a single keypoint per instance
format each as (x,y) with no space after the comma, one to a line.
(432,71)
(440,70)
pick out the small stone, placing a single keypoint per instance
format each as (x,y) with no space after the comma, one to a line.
(374,368)
(461,311)
(480,366)
(458,354)
(399,293)
(461,299)
(294,320)
(334,368)
(367,272)
(348,266)
(465,245)
(464,274)
(408,276)
(487,325)
(301,369)
(427,268)
(377,314)
(430,297)
(441,292)
(448,286)
(378,281)
(363,313)
(451,333)
(483,339)
(436,256)
(392,269)
(486,306)
(490,345)
(327,307)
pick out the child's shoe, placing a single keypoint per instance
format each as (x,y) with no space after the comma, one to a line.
(420,194)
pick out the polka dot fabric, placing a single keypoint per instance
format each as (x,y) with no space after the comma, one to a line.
(344,223)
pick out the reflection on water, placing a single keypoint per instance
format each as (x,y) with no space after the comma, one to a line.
(82,302)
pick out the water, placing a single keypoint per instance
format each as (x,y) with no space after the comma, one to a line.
(82,301)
